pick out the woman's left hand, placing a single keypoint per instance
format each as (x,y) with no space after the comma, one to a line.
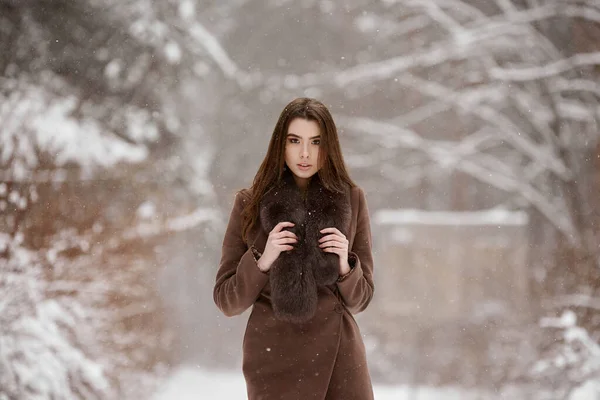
(336,243)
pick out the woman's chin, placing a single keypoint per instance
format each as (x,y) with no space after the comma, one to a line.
(304,174)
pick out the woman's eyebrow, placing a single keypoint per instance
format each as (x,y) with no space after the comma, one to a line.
(299,137)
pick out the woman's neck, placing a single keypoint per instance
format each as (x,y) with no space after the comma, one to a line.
(302,183)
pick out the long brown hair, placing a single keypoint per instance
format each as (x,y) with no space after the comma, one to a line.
(333,173)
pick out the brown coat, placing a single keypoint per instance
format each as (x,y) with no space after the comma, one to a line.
(323,358)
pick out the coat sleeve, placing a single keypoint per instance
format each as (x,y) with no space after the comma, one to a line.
(239,281)
(356,288)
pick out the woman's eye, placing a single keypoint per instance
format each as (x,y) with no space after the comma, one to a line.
(293,140)
(317,142)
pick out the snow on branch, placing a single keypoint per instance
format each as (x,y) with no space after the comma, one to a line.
(438,15)
(176,224)
(441,152)
(514,16)
(481,166)
(561,84)
(386,26)
(390,68)
(576,300)
(214,48)
(460,46)
(37,359)
(508,128)
(545,71)
(583,12)
(573,355)
(555,212)
(457,6)
(389,135)
(36,121)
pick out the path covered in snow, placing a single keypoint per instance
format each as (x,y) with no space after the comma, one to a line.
(190,383)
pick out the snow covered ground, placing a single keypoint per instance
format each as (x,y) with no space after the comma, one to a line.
(189,383)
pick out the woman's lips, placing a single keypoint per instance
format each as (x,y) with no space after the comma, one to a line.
(304,168)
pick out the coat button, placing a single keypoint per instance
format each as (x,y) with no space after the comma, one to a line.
(338,308)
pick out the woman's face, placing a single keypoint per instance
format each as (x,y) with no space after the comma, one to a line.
(302,149)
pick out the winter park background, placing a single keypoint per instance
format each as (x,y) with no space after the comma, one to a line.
(127,127)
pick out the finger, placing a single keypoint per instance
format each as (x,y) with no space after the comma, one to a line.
(335,240)
(332,237)
(281,225)
(340,246)
(334,250)
(332,230)
(285,241)
(285,234)
(288,248)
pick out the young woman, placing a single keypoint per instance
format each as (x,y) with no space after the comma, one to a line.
(298,250)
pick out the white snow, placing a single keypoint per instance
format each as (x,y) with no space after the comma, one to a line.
(113,69)
(187,9)
(146,210)
(173,52)
(496,216)
(81,141)
(37,359)
(36,118)
(194,383)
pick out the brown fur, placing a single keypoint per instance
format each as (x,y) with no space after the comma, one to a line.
(297,273)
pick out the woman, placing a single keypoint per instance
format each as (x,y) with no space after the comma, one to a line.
(298,250)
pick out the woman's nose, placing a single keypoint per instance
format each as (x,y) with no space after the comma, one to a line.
(304,153)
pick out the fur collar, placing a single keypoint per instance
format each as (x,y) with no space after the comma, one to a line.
(296,274)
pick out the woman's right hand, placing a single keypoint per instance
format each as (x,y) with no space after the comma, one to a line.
(278,241)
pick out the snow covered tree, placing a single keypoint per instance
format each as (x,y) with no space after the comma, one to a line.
(90,188)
